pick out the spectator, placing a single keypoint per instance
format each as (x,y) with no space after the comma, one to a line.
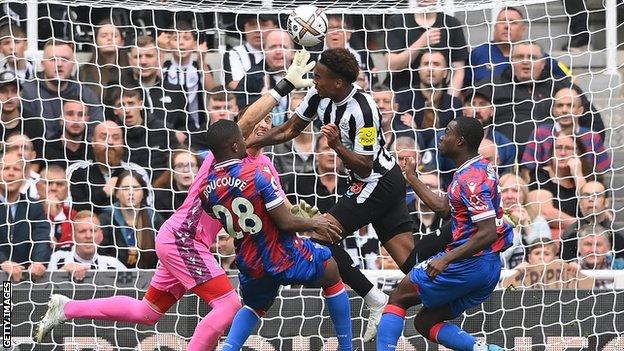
(404,148)
(25,150)
(238,60)
(224,251)
(523,96)
(339,30)
(433,105)
(529,226)
(392,124)
(184,79)
(487,150)
(409,35)
(149,142)
(92,183)
(478,106)
(321,189)
(45,94)
(220,105)
(279,50)
(13,44)
(17,117)
(579,30)
(566,110)
(295,157)
(108,57)
(145,71)
(24,231)
(172,186)
(54,193)
(490,60)
(593,204)
(594,252)
(555,185)
(543,269)
(130,225)
(72,145)
(83,256)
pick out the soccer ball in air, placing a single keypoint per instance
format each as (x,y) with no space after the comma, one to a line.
(307,25)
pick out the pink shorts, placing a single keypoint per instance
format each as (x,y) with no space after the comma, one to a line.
(183,263)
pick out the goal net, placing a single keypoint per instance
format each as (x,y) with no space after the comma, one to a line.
(548,91)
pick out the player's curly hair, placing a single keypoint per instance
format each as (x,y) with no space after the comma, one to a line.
(342,63)
(471,130)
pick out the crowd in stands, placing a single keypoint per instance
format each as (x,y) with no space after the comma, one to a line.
(96,155)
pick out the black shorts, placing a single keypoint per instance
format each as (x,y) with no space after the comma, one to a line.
(381,203)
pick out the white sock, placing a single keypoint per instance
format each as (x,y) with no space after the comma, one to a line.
(375,299)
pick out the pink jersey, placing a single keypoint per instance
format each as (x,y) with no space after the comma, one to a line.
(191,218)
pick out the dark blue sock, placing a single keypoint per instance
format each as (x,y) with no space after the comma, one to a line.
(244,323)
(340,313)
(452,337)
(389,330)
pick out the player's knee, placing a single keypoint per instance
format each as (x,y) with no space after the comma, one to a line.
(226,306)
(149,313)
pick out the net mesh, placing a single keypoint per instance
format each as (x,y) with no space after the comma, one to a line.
(558,310)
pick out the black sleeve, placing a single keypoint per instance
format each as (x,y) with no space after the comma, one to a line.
(456,40)
(396,33)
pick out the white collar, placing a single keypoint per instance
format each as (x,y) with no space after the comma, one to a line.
(82,260)
(354,89)
(227,163)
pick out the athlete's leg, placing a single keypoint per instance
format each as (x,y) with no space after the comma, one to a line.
(391,326)
(123,308)
(338,304)
(374,298)
(401,248)
(224,301)
(258,296)
(432,324)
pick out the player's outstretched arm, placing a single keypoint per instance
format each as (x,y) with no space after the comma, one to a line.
(438,204)
(253,114)
(287,222)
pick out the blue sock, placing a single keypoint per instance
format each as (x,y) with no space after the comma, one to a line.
(340,313)
(390,329)
(244,322)
(452,337)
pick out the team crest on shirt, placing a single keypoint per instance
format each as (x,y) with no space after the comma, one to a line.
(355,189)
(368,136)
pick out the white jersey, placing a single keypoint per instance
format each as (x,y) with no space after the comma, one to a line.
(358,118)
(98,262)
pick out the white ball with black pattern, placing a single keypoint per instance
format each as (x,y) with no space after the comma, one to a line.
(307,25)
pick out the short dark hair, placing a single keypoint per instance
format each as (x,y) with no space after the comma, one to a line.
(346,20)
(342,63)
(221,135)
(12,31)
(219,93)
(471,130)
(143,41)
(132,92)
(186,26)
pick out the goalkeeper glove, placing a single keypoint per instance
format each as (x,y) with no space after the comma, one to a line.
(294,76)
(304,210)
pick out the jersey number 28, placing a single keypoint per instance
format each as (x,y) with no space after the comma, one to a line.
(248,221)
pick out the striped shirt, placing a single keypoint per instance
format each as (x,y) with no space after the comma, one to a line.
(358,119)
(98,262)
(540,148)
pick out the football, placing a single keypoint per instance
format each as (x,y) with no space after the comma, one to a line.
(307,25)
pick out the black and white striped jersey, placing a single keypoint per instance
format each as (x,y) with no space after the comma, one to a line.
(358,118)
(98,262)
